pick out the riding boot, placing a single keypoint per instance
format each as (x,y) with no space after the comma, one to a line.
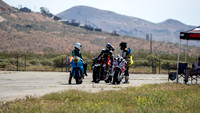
(85,72)
(126,80)
(70,78)
(82,75)
(85,68)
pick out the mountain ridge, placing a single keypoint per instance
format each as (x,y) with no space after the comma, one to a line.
(167,30)
(35,32)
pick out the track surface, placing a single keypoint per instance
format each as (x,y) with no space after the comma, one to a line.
(21,84)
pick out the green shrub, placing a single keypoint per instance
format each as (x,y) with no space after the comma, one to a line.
(2,64)
(34,62)
(166,64)
(150,57)
(141,63)
(1,60)
(57,62)
(12,61)
(46,63)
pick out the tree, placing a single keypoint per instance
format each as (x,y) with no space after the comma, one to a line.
(44,10)
(25,9)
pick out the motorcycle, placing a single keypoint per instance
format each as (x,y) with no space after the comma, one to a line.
(96,70)
(101,70)
(76,70)
(118,69)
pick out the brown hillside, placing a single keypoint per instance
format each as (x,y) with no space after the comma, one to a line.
(5,7)
(37,33)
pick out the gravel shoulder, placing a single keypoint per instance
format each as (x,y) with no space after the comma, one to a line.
(16,85)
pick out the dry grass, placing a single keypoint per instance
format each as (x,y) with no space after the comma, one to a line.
(167,97)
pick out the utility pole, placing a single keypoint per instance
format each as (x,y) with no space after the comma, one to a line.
(149,37)
(150,43)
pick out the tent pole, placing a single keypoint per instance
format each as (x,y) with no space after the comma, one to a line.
(179,48)
(186,53)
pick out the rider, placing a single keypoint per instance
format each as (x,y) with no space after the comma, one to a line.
(77,52)
(126,54)
(107,55)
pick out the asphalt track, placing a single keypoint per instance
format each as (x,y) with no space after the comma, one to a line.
(17,85)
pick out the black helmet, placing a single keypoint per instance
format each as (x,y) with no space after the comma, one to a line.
(123,45)
(109,46)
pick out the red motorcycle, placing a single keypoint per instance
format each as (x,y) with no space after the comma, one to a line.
(102,70)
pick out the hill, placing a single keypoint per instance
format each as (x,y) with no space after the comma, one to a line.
(34,32)
(167,31)
(5,7)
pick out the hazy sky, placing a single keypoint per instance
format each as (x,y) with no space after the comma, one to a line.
(186,11)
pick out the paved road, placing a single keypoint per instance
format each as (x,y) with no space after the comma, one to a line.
(21,84)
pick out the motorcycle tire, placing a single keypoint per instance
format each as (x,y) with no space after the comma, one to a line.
(77,77)
(96,75)
(115,76)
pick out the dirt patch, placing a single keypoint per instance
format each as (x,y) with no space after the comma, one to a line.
(1,19)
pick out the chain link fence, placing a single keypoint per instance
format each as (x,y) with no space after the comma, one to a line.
(62,64)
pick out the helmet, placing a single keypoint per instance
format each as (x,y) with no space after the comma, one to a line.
(77,45)
(123,45)
(109,46)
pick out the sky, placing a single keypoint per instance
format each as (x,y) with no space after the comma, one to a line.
(156,11)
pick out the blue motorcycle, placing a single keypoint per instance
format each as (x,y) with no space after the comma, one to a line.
(76,70)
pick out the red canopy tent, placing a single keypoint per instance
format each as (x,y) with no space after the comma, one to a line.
(193,34)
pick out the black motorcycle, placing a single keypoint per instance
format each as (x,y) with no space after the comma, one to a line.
(101,70)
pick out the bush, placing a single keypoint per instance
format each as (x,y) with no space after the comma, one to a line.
(141,63)
(13,61)
(57,62)
(46,63)
(2,64)
(150,57)
(166,64)
(34,62)
(1,60)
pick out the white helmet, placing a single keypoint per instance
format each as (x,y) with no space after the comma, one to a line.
(77,45)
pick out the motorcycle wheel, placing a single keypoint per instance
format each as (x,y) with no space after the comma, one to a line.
(96,75)
(115,76)
(77,77)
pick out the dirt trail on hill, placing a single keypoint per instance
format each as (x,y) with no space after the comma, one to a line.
(21,84)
